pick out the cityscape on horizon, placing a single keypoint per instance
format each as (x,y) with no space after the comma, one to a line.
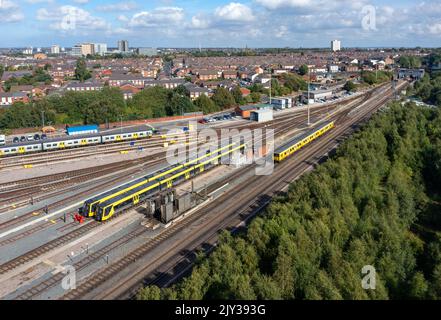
(220,23)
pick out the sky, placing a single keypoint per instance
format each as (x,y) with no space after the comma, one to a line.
(221,23)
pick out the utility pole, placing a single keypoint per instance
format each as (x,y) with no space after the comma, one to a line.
(42,117)
(120,117)
(309,93)
(271,85)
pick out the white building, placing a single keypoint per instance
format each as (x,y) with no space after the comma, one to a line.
(55,49)
(281,103)
(333,68)
(335,45)
(100,48)
(76,51)
(28,51)
(262,115)
(123,46)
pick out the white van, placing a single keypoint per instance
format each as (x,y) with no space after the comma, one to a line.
(2,139)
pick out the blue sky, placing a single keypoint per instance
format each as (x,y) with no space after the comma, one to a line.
(221,23)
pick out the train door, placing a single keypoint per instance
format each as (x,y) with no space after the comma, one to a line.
(21,150)
(61,145)
(83,142)
(118,138)
(135,136)
(136,199)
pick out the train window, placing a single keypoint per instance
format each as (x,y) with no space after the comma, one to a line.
(13,150)
(76,142)
(35,147)
(6,151)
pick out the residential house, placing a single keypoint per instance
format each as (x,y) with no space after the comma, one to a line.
(196,92)
(229,74)
(84,86)
(7,75)
(205,75)
(117,79)
(27,89)
(9,98)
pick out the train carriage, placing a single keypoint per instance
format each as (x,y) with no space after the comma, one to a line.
(20,149)
(71,142)
(126,135)
(299,142)
(107,209)
(90,206)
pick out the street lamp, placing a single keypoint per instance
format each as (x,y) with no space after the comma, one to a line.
(309,90)
(42,117)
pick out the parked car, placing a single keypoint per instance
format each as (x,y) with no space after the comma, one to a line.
(22,139)
(36,136)
(43,136)
(16,140)
(30,137)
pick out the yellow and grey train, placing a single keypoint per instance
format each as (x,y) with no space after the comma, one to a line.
(90,205)
(299,142)
(104,206)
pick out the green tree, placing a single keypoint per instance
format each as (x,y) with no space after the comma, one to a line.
(205,104)
(81,72)
(223,99)
(303,69)
(237,95)
(350,86)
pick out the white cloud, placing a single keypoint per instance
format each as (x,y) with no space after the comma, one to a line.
(81,1)
(122,18)
(10,12)
(159,17)
(38,1)
(234,11)
(200,22)
(120,6)
(70,18)
(276,4)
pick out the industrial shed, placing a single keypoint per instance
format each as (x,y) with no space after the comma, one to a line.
(262,115)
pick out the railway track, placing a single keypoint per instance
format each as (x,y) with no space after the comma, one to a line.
(154,142)
(14,263)
(57,242)
(285,172)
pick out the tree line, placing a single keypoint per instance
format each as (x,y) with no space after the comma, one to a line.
(375,202)
(428,89)
(108,105)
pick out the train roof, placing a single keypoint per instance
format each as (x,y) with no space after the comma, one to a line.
(127,194)
(300,137)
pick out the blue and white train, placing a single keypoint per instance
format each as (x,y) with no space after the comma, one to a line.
(75,141)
